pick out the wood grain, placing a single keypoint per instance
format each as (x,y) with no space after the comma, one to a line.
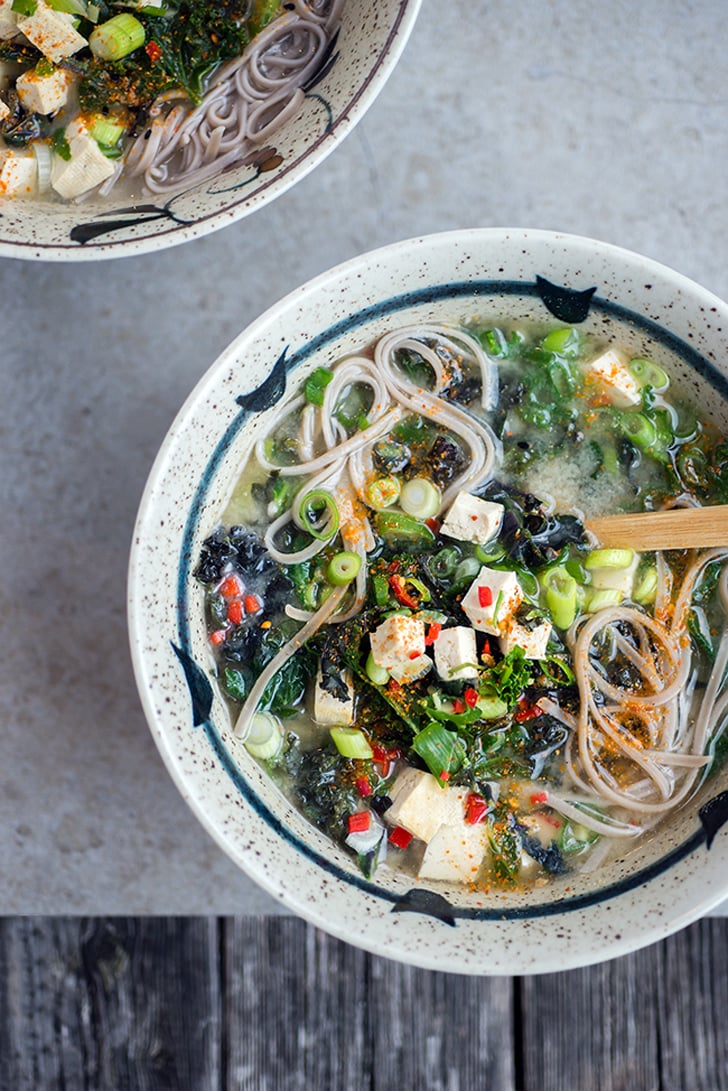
(105,1004)
(593,1028)
(272,1004)
(678,528)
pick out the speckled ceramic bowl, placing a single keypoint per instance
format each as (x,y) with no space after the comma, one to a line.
(476,274)
(364,52)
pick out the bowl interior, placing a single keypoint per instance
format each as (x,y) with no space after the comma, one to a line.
(456,278)
(364,51)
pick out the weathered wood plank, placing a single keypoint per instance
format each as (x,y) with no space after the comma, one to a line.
(441,1032)
(693,1008)
(655,1019)
(105,1004)
(305,1011)
(591,1028)
(296,1005)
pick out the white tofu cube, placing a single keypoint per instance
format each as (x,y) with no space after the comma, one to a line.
(8,21)
(471,519)
(610,372)
(491,600)
(4,110)
(43,94)
(456,853)
(456,654)
(87,167)
(18,174)
(52,32)
(421,805)
(532,638)
(398,645)
(328,709)
(616,579)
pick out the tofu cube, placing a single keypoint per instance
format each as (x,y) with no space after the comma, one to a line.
(610,372)
(532,638)
(616,579)
(398,645)
(4,110)
(87,167)
(43,94)
(18,174)
(456,853)
(456,655)
(471,519)
(52,32)
(328,709)
(422,806)
(8,21)
(491,600)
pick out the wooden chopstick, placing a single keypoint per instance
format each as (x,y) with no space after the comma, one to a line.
(676,528)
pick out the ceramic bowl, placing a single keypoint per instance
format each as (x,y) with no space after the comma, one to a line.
(362,55)
(455,277)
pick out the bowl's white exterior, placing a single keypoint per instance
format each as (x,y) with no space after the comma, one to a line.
(371,39)
(641,898)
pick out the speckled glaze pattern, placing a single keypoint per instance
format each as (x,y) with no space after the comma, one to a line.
(455,277)
(370,39)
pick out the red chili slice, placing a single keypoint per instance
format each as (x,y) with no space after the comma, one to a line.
(485,596)
(359,822)
(230,587)
(400,837)
(363,787)
(476,809)
(400,592)
(235,612)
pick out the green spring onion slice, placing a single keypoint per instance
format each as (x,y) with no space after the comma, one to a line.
(560,596)
(645,591)
(609,558)
(117,37)
(639,430)
(382,493)
(376,674)
(648,373)
(316,384)
(343,568)
(351,743)
(420,498)
(319,514)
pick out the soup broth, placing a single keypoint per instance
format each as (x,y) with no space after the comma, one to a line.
(419,639)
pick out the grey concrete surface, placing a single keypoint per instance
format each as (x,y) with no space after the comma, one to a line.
(607,120)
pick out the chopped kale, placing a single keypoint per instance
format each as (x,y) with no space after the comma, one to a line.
(548,856)
(239,547)
(321,783)
(446,459)
(532,537)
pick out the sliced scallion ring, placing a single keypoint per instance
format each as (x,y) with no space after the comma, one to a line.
(44,161)
(382,492)
(420,498)
(343,568)
(319,515)
(117,37)
(266,736)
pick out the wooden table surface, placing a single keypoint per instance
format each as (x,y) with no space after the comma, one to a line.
(272,1004)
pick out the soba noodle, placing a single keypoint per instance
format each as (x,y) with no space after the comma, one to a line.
(247,101)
